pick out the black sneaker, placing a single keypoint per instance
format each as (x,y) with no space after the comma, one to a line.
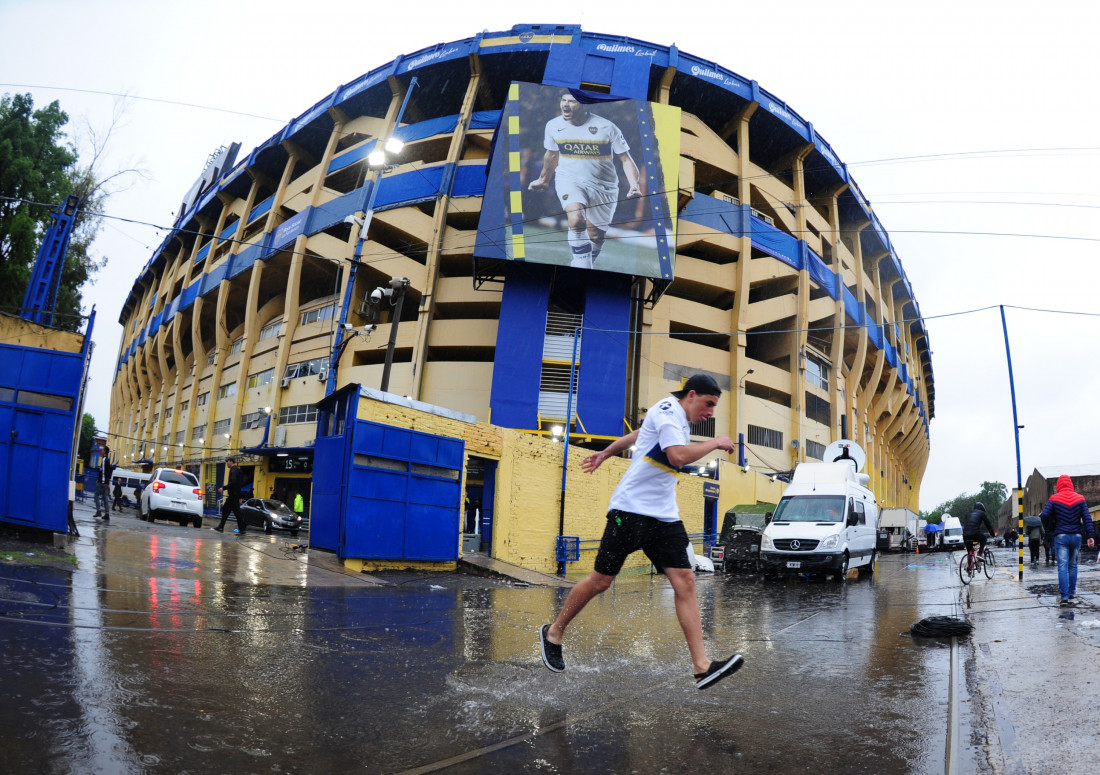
(551,652)
(718,670)
(217,530)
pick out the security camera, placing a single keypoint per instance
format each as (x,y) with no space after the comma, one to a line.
(351,219)
(369,327)
(376,295)
(347,326)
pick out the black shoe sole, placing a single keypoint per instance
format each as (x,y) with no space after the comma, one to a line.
(728,668)
(543,643)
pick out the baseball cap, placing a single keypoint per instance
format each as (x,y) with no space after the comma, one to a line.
(702,384)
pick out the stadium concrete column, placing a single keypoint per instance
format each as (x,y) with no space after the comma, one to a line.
(291,316)
(838,384)
(294,275)
(426,311)
(739,360)
(251,339)
(802,335)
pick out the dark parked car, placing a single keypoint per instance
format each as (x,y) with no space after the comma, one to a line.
(739,540)
(271,515)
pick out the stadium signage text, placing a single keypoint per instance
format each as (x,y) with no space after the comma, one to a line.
(619,48)
(429,57)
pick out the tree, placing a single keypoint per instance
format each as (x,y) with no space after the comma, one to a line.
(38,170)
(87,435)
(992,494)
(33,166)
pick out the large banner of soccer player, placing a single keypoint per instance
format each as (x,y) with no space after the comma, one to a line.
(585,183)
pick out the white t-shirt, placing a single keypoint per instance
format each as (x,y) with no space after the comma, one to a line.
(587,152)
(649,486)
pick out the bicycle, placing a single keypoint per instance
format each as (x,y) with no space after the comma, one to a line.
(973,561)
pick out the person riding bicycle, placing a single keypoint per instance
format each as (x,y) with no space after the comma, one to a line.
(973,532)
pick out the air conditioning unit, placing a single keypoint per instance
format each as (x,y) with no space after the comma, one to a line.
(321,376)
(765,218)
(286,382)
(727,198)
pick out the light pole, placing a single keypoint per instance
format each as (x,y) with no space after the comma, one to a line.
(396,294)
(376,160)
(740,435)
(1016,432)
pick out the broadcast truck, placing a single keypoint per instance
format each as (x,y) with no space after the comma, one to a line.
(827,520)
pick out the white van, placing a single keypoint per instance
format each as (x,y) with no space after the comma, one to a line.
(952,533)
(826,521)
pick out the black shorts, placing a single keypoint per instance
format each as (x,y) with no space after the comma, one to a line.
(664,543)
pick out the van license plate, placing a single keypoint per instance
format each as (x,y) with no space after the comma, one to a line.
(178,503)
(794,564)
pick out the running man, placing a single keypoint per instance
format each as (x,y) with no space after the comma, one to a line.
(580,147)
(644,515)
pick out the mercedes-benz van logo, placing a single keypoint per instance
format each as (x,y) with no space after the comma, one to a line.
(796,544)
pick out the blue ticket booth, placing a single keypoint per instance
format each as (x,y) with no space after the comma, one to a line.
(382,492)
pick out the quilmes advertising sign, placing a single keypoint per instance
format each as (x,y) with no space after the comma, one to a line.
(580,181)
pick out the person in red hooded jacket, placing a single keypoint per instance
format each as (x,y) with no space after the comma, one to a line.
(1071,518)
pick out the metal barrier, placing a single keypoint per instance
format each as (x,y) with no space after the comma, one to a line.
(569,548)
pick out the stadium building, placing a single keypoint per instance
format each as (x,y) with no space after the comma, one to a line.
(439,274)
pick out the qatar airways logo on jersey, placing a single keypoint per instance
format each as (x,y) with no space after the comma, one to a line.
(584,150)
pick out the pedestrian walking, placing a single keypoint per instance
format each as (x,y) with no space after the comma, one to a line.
(117,493)
(232,502)
(1033,529)
(644,516)
(299,505)
(102,487)
(1071,521)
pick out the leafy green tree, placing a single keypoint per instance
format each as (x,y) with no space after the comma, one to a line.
(38,170)
(87,435)
(992,494)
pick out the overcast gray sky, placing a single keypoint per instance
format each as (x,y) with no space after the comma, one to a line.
(971,127)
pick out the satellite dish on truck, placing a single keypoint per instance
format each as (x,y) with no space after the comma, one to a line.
(844,449)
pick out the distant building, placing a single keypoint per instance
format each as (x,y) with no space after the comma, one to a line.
(1040,485)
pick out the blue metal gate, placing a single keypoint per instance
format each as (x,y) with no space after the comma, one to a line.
(381,492)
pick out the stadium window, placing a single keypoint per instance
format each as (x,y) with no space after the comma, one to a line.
(184,406)
(271,330)
(262,378)
(817,408)
(815,449)
(318,314)
(817,371)
(765,437)
(202,399)
(197,432)
(222,426)
(297,414)
(237,346)
(306,368)
(703,428)
(229,389)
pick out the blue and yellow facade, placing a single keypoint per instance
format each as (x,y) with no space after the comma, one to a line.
(785,288)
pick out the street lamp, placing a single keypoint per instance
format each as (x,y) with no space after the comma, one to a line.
(376,160)
(740,434)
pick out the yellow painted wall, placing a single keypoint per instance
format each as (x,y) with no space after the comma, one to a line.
(528,490)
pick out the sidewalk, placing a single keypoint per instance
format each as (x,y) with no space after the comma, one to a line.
(1030,664)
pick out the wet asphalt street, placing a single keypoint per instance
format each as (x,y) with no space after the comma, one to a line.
(169,649)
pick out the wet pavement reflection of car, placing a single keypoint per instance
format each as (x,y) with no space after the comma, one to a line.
(270,514)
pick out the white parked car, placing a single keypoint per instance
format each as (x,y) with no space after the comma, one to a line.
(172,494)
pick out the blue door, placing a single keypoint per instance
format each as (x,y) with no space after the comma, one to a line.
(404,495)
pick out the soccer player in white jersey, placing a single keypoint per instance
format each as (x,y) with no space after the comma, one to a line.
(644,515)
(580,147)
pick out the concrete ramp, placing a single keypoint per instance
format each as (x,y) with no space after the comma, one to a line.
(480,564)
